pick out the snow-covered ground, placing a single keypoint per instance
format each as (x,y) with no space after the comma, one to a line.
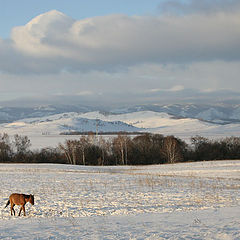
(179,201)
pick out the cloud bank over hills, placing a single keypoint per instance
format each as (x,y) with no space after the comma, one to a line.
(187,46)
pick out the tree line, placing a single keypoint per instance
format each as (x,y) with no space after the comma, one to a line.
(120,150)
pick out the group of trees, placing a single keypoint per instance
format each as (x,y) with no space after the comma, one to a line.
(17,150)
(124,150)
(13,150)
(205,149)
(120,150)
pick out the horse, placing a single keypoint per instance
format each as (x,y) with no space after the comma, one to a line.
(19,199)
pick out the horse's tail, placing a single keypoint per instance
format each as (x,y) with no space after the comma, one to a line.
(7,203)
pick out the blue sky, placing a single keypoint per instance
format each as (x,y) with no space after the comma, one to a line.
(19,12)
(136,50)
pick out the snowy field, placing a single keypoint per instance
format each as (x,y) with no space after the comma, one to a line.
(179,201)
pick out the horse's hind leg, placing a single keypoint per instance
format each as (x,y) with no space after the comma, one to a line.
(12,209)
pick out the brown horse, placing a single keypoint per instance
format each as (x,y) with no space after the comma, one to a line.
(19,199)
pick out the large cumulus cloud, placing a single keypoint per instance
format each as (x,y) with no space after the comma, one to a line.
(53,42)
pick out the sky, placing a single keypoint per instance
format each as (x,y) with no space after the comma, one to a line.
(111,50)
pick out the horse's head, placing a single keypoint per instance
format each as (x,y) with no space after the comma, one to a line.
(31,199)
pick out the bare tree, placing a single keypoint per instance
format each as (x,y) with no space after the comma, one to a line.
(199,141)
(171,149)
(21,145)
(74,148)
(5,147)
(102,145)
(83,144)
(69,150)
(105,147)
(120,144)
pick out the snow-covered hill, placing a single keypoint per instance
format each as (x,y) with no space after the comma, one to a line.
(59,123)
(44,131)
(141,121)
(163,123)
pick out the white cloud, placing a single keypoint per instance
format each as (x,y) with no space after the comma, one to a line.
(112,54)
(176,88)
(53,42)
(85,93)
(42,36)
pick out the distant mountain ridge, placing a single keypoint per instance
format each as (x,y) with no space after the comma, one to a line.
(224,114)
(221,114)
(10,114)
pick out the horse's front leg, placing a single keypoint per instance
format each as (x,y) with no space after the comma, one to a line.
(20,210)
(23,207)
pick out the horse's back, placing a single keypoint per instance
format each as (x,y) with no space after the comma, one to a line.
(17,198)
